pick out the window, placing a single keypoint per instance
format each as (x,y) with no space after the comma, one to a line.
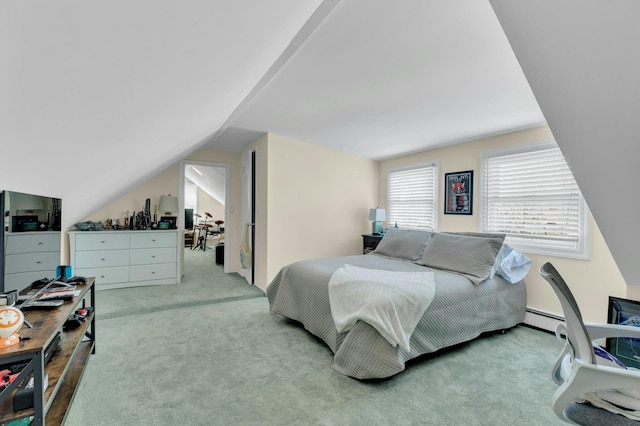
(190,195)
(411,197)
(531,195)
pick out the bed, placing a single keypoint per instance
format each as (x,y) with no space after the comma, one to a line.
(478,288)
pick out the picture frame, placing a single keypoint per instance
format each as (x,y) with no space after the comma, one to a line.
(458,192)
(24,223)
(172,220)
(625,312)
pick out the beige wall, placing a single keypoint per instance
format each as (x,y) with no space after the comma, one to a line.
(163,184)
(206,203)
(591,281)
(312,202)
(167,183)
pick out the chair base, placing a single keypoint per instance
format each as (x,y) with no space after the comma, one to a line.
(588,415)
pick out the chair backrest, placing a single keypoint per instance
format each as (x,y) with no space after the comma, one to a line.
(577,334)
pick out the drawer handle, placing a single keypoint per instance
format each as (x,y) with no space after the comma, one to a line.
(102,259)
(101,276)
(153,257)
(37,261)
(102,242)
(39,243)
(153,272)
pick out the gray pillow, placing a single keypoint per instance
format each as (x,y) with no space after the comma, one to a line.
(403,243)
(470,255)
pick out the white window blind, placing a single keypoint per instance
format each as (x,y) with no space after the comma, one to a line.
(532,196)
(411,197)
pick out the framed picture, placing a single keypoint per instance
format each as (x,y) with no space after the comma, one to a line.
(458,192)
(625,312)
(24,223)
(172,220)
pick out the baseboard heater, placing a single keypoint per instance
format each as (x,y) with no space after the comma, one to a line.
(541,319)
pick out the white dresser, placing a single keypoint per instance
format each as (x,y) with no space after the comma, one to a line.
(30,256)
(126,258)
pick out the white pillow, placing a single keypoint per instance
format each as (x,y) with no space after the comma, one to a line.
(511,265)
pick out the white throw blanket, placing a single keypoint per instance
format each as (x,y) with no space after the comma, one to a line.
(391,302)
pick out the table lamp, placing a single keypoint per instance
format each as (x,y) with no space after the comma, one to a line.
(378,216)
(168,204)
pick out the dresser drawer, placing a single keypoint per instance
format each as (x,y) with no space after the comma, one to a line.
(29,243)
(155,255)
(148,239)
(22,280)
(117,274)
(152,272)
(102,241)
(101,258)
(46,261)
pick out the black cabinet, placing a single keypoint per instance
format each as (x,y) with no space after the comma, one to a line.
(370,242)
(220,254)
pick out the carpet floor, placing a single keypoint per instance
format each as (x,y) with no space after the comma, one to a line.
(168,357)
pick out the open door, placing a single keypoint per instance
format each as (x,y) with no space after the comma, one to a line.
(247,255)
(212,181)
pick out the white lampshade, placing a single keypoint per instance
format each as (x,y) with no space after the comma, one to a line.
(378,215)
(168,204)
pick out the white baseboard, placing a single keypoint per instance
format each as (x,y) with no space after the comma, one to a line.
(541,319)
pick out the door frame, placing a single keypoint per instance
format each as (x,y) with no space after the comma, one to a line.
(227,205)
(249,209)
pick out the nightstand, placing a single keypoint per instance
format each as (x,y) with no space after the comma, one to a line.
(370,242)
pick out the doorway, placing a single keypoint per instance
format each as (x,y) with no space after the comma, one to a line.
(202,199)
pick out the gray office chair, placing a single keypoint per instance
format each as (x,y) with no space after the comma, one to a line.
(577,370)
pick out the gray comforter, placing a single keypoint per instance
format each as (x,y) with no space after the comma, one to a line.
(459,312)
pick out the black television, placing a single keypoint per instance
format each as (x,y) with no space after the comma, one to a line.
(625,312)
(188,218)
(23,214)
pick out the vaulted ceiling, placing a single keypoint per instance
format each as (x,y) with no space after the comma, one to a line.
(98,96)
(379,79)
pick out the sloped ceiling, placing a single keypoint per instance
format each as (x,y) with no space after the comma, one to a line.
(98,96)
(581,59)
(210,179)
(381,78)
